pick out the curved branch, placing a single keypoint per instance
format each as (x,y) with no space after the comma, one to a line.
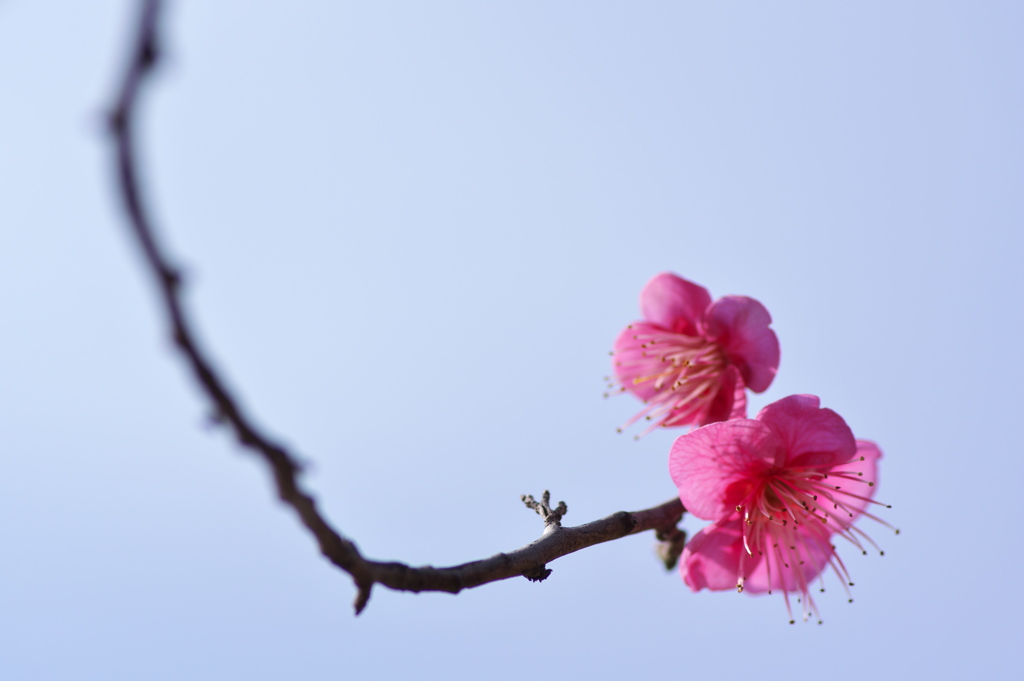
(529,561)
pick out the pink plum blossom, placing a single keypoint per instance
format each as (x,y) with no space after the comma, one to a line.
(778,487)
(690,359)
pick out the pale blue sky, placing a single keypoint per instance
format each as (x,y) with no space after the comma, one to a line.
(411,232)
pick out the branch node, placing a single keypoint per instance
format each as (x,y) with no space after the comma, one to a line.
(149,53)
(537,574)
(551,516)
(171,277)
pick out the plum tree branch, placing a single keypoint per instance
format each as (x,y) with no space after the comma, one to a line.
(529,561)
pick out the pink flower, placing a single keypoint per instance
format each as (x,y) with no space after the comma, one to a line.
(690,360)
(778,488)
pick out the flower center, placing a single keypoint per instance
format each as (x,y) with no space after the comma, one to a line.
(789,519)
(678,375)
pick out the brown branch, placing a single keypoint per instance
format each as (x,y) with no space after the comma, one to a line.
(529,561)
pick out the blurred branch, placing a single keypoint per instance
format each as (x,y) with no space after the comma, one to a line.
(529,561)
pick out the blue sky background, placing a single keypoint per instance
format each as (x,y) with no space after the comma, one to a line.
(411,232)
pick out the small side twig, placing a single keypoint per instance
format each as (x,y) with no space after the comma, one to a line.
(551,516)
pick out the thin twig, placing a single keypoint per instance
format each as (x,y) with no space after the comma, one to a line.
(529,561)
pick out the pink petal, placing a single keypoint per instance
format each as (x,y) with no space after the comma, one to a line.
(629,361)
(731,400)
(869,468)
(714,466)
(811,436)
(871,453)
(711,560)
(740,325)
(674,303)
(792,570)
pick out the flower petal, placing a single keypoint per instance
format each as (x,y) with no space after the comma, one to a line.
(714,466)
(629,361)
(711,560)
(811,436)
(731,400)
(674,303)
(740,325)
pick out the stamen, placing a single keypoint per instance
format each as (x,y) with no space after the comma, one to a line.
(800,496)
(683,373)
